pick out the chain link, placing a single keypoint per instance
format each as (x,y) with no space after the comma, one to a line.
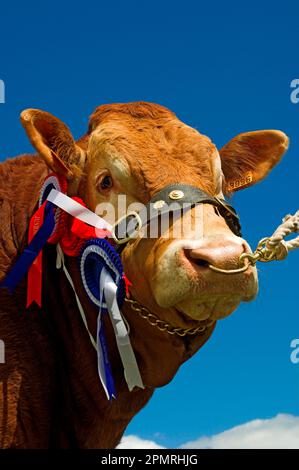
(263,253)
(153,320)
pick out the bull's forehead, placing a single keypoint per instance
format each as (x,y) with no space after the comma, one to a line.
(152,153)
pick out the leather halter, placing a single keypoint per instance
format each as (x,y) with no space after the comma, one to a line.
(171,199)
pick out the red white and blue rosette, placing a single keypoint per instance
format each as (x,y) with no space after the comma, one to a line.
(42,227)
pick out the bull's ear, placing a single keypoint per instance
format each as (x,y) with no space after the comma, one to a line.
(249,157)
(54,142)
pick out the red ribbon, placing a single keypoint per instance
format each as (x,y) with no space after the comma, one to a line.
(34,286)
(73,232)
(128,284)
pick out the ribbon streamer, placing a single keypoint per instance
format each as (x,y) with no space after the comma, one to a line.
(131,370)
(77,210)
(60,263)
(34,283)
(29,254)
(104,367)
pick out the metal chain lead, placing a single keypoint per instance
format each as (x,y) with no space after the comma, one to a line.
(154,320)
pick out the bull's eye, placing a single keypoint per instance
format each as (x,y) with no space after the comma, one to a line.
(105,183)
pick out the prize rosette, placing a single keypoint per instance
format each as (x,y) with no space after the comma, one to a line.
(97,254)
(98,257)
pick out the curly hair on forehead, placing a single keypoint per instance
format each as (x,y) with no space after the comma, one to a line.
(136,110)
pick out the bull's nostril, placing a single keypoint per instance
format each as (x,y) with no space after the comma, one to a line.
(221,252)
(200,262)
(196,260)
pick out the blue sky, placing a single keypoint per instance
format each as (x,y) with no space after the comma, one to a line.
(223,68)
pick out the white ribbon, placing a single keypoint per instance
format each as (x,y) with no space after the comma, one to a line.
(77,210)
(131,370)
(61,264)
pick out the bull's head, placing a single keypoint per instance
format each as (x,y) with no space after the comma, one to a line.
(138,149)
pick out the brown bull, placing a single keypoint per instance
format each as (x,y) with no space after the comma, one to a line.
(50,394)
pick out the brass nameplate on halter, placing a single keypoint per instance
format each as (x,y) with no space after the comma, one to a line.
(240,182)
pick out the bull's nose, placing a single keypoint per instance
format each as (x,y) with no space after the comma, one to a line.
(223,252)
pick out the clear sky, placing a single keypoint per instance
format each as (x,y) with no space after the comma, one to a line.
(224,68)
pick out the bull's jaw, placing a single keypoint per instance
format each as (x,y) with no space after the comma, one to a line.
(209,307)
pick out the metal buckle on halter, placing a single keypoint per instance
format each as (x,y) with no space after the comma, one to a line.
(226,206)
(124,229)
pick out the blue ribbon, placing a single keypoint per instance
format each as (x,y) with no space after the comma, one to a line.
(28,256)
(108,372)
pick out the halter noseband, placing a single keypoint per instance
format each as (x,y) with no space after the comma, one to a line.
(173,198)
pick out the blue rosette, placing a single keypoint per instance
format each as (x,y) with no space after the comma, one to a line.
(96,254)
